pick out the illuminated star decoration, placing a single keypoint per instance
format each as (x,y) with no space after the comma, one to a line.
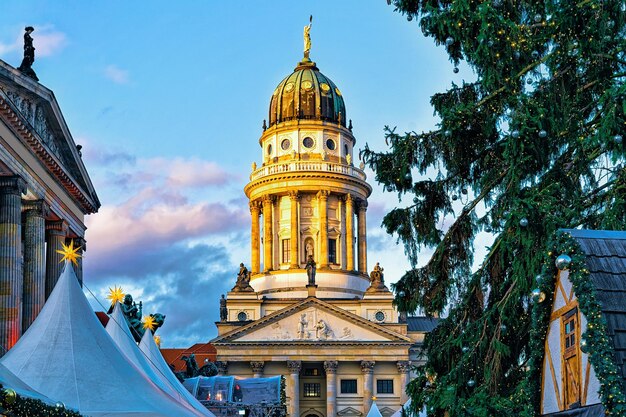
(157,340)
(149,323)
(116,294)
(69,252)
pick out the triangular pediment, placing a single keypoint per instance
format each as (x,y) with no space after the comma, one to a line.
(35,108)
(349,412)
(312,321)
(386,411)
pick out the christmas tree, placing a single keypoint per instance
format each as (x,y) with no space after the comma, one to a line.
(532,145)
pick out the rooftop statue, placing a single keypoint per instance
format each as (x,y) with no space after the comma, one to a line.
(310,270)
(133,315)
(223,309)
(243,280)
(29,54)
(307,38)
(377,280)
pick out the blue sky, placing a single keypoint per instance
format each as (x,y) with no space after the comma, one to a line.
(168,103)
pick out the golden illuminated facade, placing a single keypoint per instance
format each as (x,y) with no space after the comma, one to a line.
(337,340)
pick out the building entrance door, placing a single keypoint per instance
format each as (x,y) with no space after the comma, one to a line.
(312,389)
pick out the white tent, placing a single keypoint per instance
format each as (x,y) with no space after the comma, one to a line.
(119,331)
(374,411)
(9,380)
(406,405)
(156,361)
(67,355)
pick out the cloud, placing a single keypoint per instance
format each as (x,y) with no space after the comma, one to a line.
(116,74)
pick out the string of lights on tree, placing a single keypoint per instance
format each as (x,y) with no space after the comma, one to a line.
(565,254)
(14,405)
(532,145)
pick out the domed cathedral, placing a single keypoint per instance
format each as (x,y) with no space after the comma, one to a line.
(306,306)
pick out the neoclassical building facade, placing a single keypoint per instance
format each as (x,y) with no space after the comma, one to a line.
(333,332)
(45,193)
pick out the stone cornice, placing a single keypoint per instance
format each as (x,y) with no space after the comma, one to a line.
(30,138)
(312,343)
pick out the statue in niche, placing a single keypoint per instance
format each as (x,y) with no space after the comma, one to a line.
(223,309)
(302,327)
(377,280)
(29,55)
(310,270)
(243,280)
(309,249)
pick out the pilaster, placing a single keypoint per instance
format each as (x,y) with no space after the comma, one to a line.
(34,294)
(403,369)
(11,272)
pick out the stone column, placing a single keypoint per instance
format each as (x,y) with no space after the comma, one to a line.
(255,237)
(81,243)
(56,232)
(403,369)
(295,231)
(367,368)
(322,198)
(222,368)
(268,238)
(349,232)
(11,272)
(293,388)
(362,237)
(331,387)
(35,213)
(257,368)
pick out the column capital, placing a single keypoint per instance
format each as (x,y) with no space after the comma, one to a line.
(294,366)
(257,366)
(403,366)
(79,242)
(59,227)
(268,199)
(294,195)
(38,208)
(222,367)
(12,184)
(323,194)
(331,366)
(255,206)
(348,198)
(362,205)
(367,367)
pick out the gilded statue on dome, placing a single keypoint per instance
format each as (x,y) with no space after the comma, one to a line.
(307,38)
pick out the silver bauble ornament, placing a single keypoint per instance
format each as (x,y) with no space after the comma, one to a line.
(464,191)
(455,70)
(538,279)
(449,40)
(59,405)
(563,261)
(583,345)
(538,18)
(490,44)
(618,139)
(523,222)
(515,134)
(516,55)
(543,134)
(471,383)
(448,133)
(9,395)
(534,54)
(503,328)
(464,349)
(455,197)
(536,292)
(529,81)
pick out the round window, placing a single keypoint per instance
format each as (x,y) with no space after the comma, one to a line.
(330,144)
(308,142)
(269,149)
(285,144)
(379,316)
(242,316)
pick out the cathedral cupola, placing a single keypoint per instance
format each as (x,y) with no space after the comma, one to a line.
(307,94)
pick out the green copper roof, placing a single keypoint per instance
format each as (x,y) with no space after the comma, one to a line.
(307,94)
